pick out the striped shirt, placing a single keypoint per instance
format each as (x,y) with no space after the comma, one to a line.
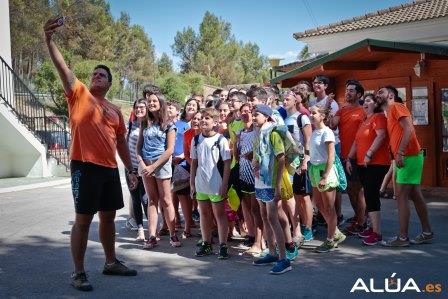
(133,133)
(246,145)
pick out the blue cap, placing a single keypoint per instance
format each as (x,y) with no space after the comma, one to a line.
(264,109)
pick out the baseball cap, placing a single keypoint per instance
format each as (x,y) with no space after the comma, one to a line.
(264,109)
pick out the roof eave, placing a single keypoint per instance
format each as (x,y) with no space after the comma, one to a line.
(405,46)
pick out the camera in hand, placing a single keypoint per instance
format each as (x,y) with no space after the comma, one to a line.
(60,21)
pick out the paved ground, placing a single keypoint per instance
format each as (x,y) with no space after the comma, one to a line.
(35,259)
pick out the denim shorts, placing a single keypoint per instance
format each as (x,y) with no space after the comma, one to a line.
(164,171)
(265,195)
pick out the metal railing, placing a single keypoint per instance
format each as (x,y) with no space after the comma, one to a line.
(23,103)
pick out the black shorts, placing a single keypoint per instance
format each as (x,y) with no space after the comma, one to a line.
(184,191)
(301,184)
(246,187)
(95,188)
(354,176)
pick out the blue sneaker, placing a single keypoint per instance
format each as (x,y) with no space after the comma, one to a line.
(307,234)
(266,260)
(282,266)
(292,255)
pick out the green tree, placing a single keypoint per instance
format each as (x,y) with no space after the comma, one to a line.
(47,80)
(195,82)
(215,54)
(185,46)
(253,64)
(26,19)
(173,87)
(304,54)
(164,64)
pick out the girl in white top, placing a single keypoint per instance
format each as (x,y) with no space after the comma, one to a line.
(323,175)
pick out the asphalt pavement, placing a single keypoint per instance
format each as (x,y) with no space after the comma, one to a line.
(35,259)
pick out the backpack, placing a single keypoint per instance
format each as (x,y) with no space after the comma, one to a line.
(220,163)
(293,153)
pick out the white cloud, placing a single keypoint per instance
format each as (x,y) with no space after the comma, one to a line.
(287,55)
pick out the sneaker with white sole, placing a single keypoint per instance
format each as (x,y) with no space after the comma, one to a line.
(292,254)
(372,239)
(131,224)
(174,241)
(150,243)
(423,238)
(307,234)
(119,269)
(339,237)
(365,233)
(80,282)
(326,246)
(268,259)
(282,266)
(396,242)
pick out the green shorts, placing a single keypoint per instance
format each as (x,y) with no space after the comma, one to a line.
(411,173)
(314,173)
(212,197)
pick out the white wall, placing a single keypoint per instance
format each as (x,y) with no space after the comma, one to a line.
(424,31)
(5,33)
(21,153)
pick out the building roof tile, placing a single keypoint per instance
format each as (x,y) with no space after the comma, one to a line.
(419,10)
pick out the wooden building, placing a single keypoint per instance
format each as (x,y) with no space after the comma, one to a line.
(418,70)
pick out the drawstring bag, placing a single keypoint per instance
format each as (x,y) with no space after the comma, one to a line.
(340,174)
(286,186)
(233,199)
(181,178)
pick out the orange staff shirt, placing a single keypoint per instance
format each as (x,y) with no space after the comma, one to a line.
(395,112)
(349,122)
(365,137)
(95,125)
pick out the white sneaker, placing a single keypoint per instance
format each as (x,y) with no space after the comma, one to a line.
(140,234)
(131,224)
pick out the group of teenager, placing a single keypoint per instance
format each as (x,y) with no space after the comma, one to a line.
(240,139)
(286,156)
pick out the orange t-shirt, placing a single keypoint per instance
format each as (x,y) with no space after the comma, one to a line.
(365,137)
(350,118)
(95,126)
(395,112)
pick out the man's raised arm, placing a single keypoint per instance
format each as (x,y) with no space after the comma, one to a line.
(66,75)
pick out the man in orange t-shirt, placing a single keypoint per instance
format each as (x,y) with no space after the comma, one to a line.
(409,162)
(348,119)
(98,132)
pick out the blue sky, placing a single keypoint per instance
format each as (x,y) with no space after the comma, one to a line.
(270,24)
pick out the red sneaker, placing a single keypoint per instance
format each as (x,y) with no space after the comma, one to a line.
(365,233)
(373,239)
